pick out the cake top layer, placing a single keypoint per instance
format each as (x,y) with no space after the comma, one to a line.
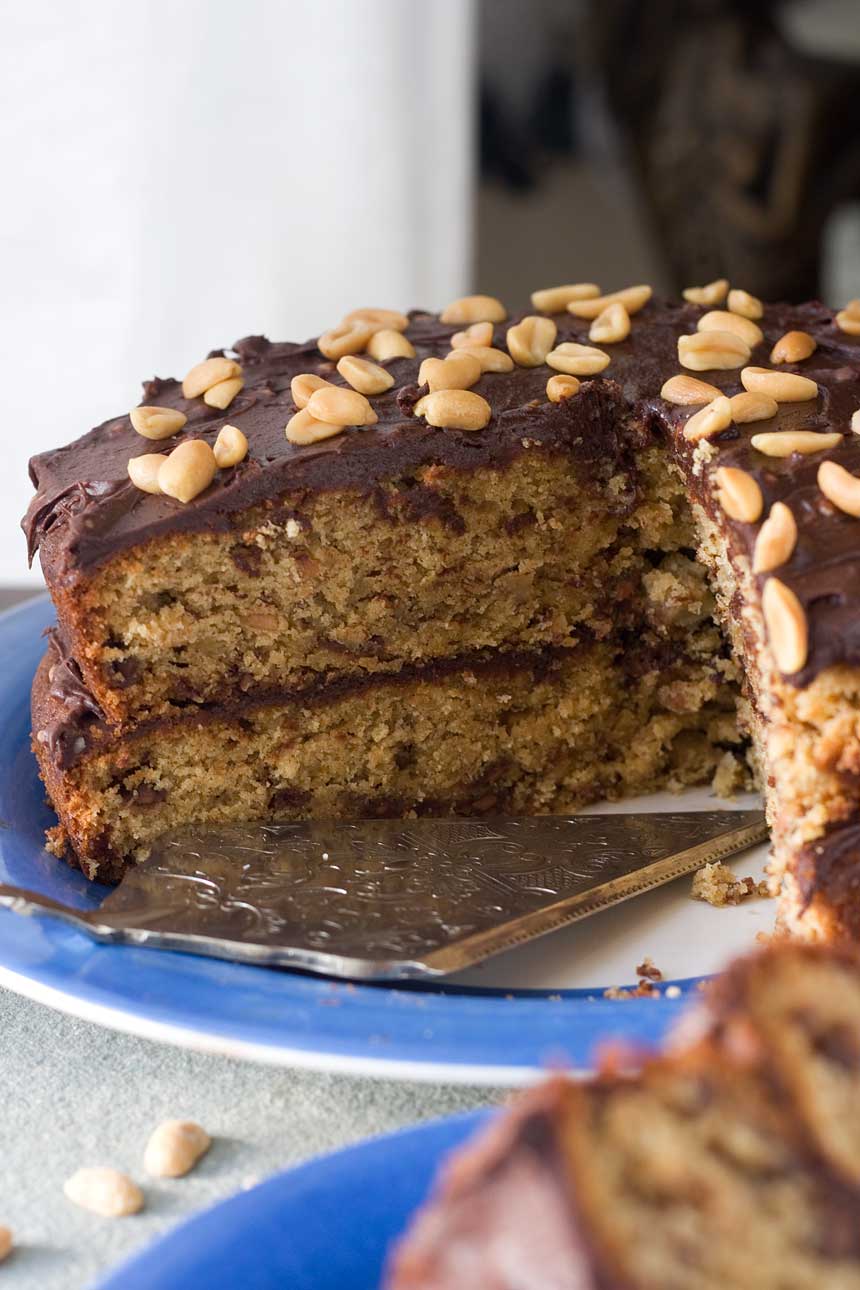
(86,509)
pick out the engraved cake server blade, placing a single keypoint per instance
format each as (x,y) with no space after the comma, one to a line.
(393,899)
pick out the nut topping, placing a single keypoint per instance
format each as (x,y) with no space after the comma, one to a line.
(632,298)
(378,319)
(6,1242)
(741,302)
(840,487)
(104,1191)
(782,443)
(188,471)
(456,372)
(223,394)
(303,429)
(707,351)
(577,360)
(230,447)
(174,1148)
(785,387)
(530,341)
(610,326)
(304,385)
(208,373)
(478,334)
(454,410)
(341,407)
(754,406)
(710,420)
(143,471)
(684,390)
(491,360)
(364,376)
(793,347)
(713,293)
(776,539)
(559,388)
(739,494)
(855,421)
(787,629)
(472,309)
(346,338)
(848,319)
(553,300)
(389,343)
(157,423)
(723,320)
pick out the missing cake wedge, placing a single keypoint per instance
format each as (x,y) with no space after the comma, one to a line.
(695,1172)
(663,501)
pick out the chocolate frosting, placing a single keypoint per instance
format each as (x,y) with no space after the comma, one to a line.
(86,510)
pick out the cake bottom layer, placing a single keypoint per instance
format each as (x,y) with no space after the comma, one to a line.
(540,733)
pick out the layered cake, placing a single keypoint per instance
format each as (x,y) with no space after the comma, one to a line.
(729,1164)
(468,562)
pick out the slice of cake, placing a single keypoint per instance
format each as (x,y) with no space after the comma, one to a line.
(695,1173)
(468,562)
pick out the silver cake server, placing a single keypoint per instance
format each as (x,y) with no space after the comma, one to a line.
(393,899)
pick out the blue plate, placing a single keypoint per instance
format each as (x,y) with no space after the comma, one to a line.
(327,1225)
(460,1034)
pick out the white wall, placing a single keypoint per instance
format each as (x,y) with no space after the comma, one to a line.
(179,173)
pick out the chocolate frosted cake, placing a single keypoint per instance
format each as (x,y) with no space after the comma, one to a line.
(469,562)
(729,1164)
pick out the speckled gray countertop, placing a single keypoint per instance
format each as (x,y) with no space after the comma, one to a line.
(74,1094)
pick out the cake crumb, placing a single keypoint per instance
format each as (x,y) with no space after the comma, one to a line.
(717,885)
(647,969)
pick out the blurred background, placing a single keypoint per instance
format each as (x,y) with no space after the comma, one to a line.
(179,173)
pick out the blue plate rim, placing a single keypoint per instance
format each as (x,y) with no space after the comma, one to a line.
(474,1035)
(176,1252)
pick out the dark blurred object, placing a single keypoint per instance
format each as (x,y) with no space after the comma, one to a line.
(742,145)
(528,95)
